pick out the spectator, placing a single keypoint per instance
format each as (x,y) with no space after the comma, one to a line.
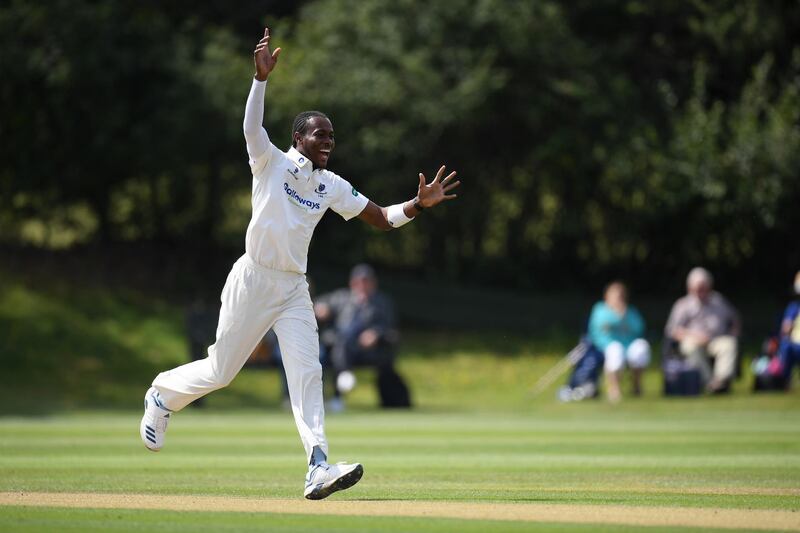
(789,349)
(705,325)
(616,329)
(358,328)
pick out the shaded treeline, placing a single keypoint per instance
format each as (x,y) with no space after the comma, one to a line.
(595,139)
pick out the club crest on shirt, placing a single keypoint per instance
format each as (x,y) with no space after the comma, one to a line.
(320,190)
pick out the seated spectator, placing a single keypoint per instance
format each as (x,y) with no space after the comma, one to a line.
(789,350)
(358,329)
(705,326)
(616,329)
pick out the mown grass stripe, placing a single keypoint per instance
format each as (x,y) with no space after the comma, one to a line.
(527,512)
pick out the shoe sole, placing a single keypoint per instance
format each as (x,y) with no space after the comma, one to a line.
(344,482)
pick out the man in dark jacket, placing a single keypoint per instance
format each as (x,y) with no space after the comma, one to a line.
(358,329)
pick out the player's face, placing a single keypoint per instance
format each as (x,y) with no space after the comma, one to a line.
(317,142)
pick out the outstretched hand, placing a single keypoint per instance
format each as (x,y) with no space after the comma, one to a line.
(264,59)
(435,192)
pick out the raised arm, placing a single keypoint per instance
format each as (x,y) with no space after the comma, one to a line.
(428,195)
(254,133)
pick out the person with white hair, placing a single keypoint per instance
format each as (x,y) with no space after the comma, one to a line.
(705,325)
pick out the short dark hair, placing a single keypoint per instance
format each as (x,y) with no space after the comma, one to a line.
(301,122)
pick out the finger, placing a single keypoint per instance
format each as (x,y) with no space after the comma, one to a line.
(438,174)
(450,196)
(266,33)
(451,186)
(260,47)
(422,179)
(449,177)
(276,53)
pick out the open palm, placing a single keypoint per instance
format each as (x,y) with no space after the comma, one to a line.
(435,192)
(264,59)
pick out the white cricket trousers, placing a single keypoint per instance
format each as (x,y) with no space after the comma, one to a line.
(636,355)
(255,299)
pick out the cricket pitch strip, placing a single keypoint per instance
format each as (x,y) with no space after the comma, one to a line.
(524,512)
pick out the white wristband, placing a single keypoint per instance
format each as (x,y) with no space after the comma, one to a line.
(397,216)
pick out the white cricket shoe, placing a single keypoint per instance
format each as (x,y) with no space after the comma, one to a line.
(153,428)
(324,479)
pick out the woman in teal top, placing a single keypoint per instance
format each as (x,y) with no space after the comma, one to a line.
(616,329)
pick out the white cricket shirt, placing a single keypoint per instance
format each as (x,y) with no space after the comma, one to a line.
(289,199)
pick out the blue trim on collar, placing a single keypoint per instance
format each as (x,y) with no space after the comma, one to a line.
(299,159)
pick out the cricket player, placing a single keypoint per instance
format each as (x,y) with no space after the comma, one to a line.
(267,287)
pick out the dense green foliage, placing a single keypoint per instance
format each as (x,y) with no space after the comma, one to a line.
(601,138)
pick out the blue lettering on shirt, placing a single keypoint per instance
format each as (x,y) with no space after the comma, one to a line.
(299,199)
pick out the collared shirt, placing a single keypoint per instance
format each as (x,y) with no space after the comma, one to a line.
(714,318)
(289,199)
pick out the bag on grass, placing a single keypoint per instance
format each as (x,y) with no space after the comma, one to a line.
(680,377)
(768,369)
(584,380)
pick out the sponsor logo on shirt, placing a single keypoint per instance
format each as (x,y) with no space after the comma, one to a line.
(299,200)
(354,191)
(293,172)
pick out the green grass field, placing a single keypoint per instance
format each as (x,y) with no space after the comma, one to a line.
(478,452)
(693,454)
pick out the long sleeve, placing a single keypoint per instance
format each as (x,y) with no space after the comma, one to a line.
(254,133)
